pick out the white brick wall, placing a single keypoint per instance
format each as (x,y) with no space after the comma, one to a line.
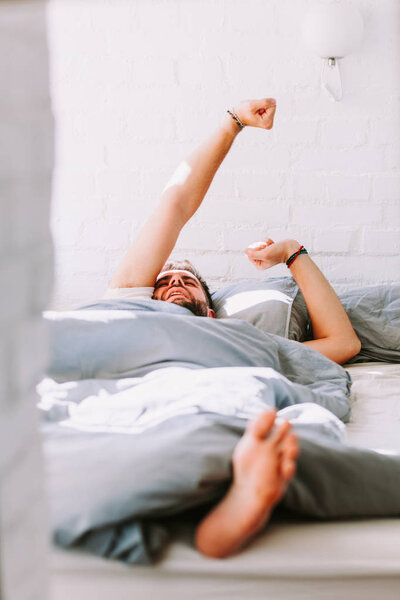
(26,134)
(137,85)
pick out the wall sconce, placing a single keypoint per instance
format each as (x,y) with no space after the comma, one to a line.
(333,31)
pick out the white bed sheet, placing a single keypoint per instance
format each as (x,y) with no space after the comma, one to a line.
(357,559)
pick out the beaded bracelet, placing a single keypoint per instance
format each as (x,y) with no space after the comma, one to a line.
(236,119)
(292,258)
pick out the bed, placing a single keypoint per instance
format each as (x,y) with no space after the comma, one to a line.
(350,559)
(292,558)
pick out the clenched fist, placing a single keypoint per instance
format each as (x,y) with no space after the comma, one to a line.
(265,255)
(257,113)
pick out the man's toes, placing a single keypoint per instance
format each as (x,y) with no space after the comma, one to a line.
(289,451)
(289,446)
(262,426)
(280,433)
(288,468)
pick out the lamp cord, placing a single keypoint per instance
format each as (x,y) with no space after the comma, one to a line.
(331,71)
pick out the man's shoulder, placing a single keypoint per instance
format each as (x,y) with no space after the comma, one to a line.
(129,293)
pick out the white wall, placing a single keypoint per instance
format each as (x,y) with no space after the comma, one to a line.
(136,85)
(25,273)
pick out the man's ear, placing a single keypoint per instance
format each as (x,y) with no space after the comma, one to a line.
(211,313)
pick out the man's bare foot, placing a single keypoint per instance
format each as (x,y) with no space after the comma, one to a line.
(264,461)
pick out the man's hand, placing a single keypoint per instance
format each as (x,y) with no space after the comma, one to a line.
(265,255)
(257,113)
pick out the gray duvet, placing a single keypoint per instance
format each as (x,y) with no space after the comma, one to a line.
(143,404)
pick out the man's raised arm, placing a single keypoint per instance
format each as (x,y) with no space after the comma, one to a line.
(333,333)
(183,195)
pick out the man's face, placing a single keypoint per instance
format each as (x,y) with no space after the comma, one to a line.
(182,288)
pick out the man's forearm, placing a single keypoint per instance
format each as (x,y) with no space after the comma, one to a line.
(329,320)
(191,180)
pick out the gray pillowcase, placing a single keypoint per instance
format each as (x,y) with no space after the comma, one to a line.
(374,312)
(275,305)
(299,324)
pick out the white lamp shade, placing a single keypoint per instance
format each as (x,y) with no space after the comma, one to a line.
(333,30)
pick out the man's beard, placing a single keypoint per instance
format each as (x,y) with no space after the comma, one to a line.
(197,307)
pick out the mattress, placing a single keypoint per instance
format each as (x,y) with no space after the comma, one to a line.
(357,559)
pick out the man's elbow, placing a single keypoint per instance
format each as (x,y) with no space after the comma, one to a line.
(351,348)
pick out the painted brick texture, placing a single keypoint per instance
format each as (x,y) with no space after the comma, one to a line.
(26,134)
(137,85)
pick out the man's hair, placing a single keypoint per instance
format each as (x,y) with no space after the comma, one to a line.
(186,265)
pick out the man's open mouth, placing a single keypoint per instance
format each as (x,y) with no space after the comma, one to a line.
(175,294)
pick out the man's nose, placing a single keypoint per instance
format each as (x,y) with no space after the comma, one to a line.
(176,280)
